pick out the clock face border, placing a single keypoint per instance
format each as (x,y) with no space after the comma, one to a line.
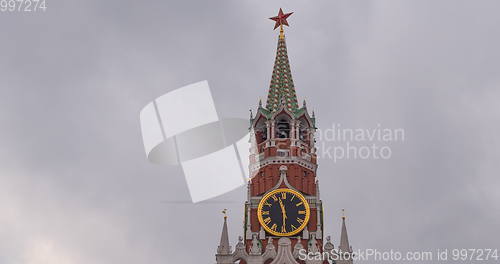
(298,195)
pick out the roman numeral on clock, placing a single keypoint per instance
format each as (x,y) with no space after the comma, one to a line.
(267,220)
(283,229)
(274,227)
(300,220)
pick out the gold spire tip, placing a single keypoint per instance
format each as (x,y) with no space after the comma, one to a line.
(224,212)
(343,214)
(282,32)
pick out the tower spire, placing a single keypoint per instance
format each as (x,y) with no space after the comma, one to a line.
(281,87)
(344,240)
(224,247)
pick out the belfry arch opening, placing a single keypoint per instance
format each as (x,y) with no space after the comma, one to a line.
(304,130)
(282,126)
(260,130)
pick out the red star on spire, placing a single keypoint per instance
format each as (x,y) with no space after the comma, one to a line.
(281,19)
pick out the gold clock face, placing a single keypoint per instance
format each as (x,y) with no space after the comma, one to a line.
(283,212)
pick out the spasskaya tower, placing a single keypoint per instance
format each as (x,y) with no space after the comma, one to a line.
(283,212)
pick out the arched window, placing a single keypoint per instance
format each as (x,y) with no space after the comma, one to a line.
(282,128)
(261,131)
(304,130)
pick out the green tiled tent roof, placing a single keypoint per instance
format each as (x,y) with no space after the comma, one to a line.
(282,87)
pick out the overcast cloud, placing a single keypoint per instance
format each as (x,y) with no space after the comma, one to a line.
(75,186)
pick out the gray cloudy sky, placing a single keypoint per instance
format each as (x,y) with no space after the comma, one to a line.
(75,186)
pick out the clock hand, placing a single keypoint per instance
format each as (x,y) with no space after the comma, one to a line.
(283,211)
